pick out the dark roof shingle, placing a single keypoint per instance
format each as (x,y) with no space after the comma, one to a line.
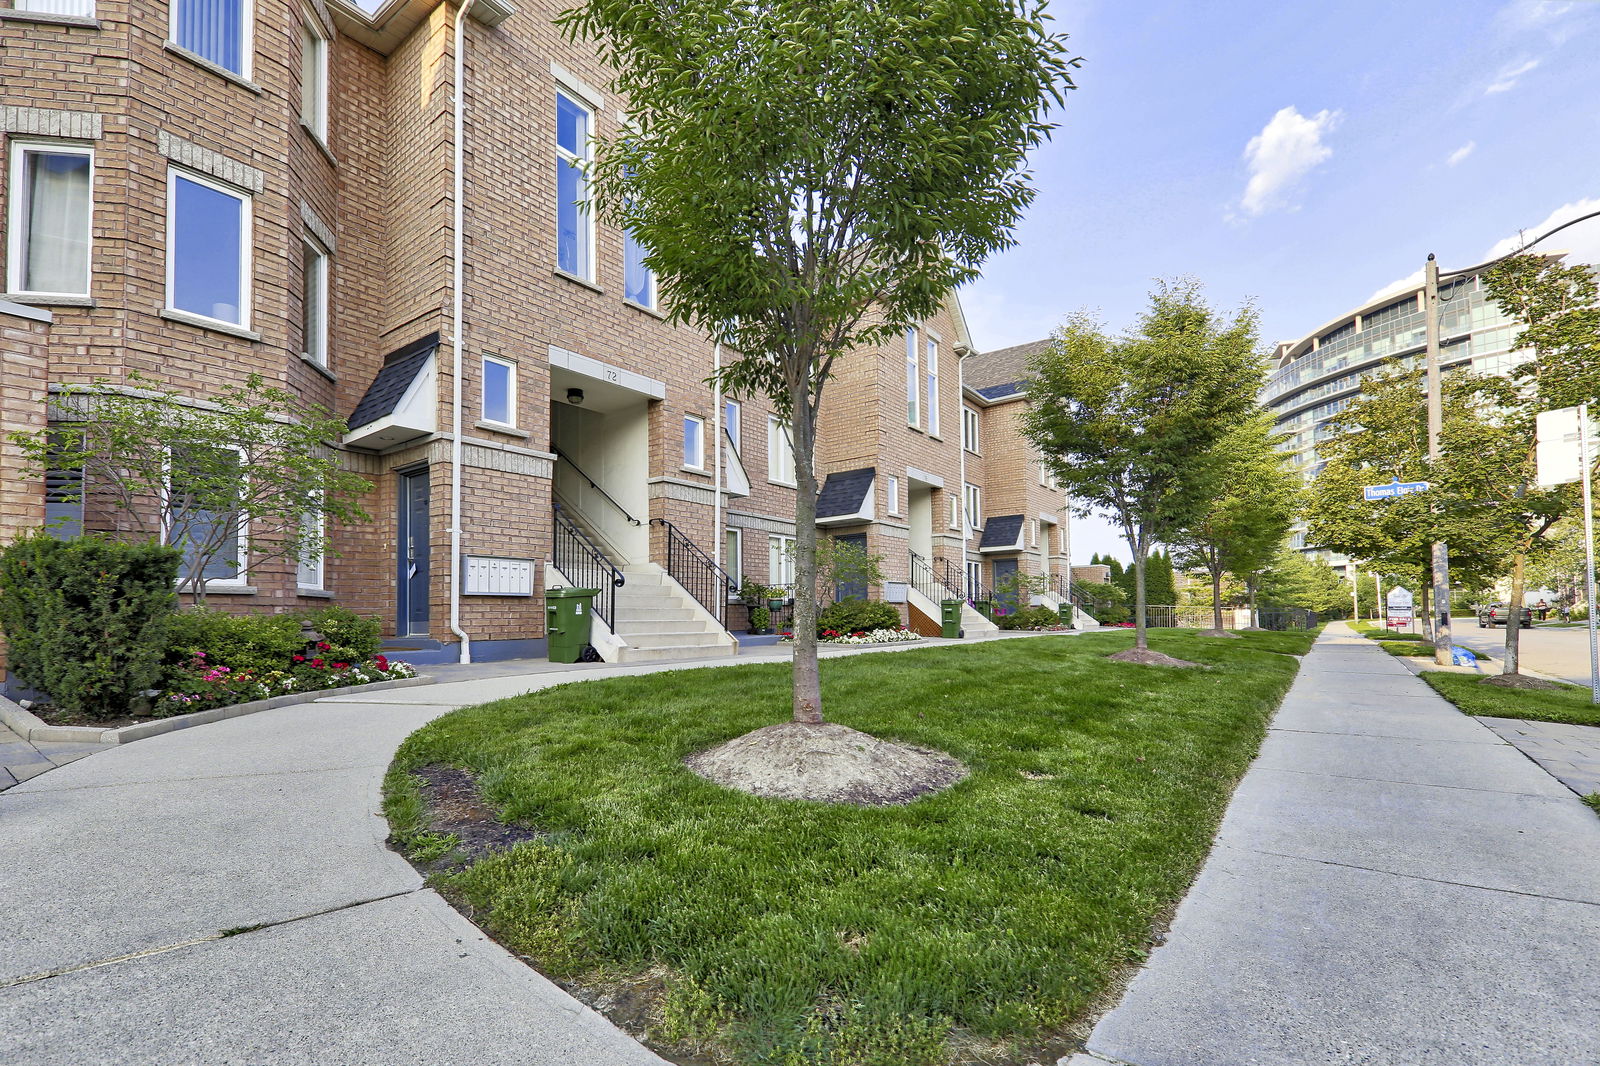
(1002,531)
(400,368)
(997,374)
(844,492)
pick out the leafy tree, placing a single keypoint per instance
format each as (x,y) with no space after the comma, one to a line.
(816,176)
(1240,528)
(1126,423)
(241,469)
(1161,585)
(1293,580)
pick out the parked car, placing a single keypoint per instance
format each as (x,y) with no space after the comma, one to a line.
(1497,614)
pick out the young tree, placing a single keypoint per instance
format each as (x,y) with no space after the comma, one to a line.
(1240,528)
(816,176)
(1127,423)
(230,480)
(1292,580)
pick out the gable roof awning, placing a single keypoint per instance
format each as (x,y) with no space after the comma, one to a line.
(401,404)
(1002,533)
(846,497)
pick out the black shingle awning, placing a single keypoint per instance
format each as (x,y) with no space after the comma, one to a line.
(400,368)
(1002,532)
(846,494)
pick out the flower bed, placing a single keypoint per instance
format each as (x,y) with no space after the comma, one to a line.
(199,685)
(861,636)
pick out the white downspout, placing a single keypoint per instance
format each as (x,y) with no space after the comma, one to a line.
(458,328)
(716,421)
(961,492)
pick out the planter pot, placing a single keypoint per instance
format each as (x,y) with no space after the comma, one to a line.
(775,604)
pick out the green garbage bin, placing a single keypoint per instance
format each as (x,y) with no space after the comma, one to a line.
(950,620)
(1065,613)
(566,622)
(985,608)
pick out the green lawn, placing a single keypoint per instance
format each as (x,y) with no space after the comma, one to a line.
(975,925)
(1567,703)
(1408,647)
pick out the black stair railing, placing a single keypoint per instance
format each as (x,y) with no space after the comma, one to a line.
(586,565)
(952,576)
(923,580)
(562,456)
(697,572)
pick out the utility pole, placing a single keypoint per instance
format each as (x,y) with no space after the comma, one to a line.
(1441,551)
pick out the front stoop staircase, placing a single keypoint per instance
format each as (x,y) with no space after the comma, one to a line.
(657,619)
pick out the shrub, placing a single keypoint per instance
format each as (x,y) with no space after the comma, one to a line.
(856,616)
(237,641)
(349,636)
(1029,618)
(86,619)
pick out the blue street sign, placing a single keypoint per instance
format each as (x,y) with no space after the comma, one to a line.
(1394,489)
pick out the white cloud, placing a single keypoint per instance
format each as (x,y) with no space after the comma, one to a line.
(1532,16)
(1461,153)
(1288,147)
(1507,79)
(1582,241)
(1409,282)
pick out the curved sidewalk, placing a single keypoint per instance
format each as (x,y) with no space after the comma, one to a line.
(1393,884)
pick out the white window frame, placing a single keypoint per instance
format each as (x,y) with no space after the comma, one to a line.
(246,244)
(15,226)
(1033,532)
(931,415)
(511,391)
(315,348)
(733,555)
(241,578)
(780,559)
(973,499)
(694,459)
(894,494)
(247,38)
(732,413)
(87,8)
(317,122)
(655,292)
(314,566)
(955,512)
(913,381)
(780,453)
(581,160)
(969,429)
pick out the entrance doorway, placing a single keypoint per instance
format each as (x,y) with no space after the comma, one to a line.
(851,590)
(1005,570)
(411,576)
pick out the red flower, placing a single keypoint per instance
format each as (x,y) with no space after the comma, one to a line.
(299,658)
(383,663)
(341,666)
(317,663)
(324,646)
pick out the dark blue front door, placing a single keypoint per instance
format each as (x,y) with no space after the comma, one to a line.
(852,590)
(411,580)
(1004,570)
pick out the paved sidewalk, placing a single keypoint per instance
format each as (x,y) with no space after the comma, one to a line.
(1569,753)
(1393,885)
(22,760)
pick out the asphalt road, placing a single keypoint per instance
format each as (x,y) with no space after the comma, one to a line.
(1562,653)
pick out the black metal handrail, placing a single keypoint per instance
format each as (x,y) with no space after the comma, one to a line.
(584,563)
(952,576)
(697,572)
(922,578)
(565,458)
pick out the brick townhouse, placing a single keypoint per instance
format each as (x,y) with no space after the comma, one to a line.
(205,189)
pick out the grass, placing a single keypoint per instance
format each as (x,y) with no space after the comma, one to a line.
(1593,800)
(1565,703)
(976,925)
(1407,647)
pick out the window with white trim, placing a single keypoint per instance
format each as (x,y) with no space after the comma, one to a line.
(51,221)
(310,567)
(731,424)
(78,8)
(313,77)
(638,280)
(974,501)
(499,391)
(215,30)
(913,382)
(894,494)
(780,560)
(932,369)
(574,220)
(969,429)
(195,519)
(780,452)
(63,486)
(733,555)
(955,513)
(1033,532)
(694,442)
(314,301)
(208,249)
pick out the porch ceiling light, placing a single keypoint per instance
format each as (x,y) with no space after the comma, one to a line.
(575,397)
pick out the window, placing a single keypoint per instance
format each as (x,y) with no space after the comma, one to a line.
(314,302)
(80,8)
(974,579)
(313,78)
(215,30)
(933,387)
(499,391)
(208,249)
(694,442)
(974,506)
(780,452)
(1033,532)
(638,280)
(780,560)
(733,555)
(202,510)
(955,513)
(969,429)
(894,494)
(730,423)
(309,572)
(63,487)
(574,224)
(50,222)
(913,381)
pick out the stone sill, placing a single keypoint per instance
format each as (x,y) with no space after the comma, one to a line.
(498,427)
(576,280)
(318,367)
(205,64)
(50,18)
(37,299)
(188,318)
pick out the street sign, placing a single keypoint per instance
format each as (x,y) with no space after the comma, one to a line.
(1394,490)
(1558,448)
(1400,603)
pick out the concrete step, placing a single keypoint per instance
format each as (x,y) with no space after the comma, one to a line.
(680,651)
(628,625)
(668,640)
(653,613)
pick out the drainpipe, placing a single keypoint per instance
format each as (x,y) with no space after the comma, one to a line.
(716,423)
(961,490)
(456,282)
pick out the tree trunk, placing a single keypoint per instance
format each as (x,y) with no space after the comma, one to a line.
(1216,598)
(1427,589)
(1250,590)
(1141,638)
(1513,661)
(807,677)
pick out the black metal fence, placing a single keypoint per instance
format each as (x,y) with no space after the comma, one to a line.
(697,572)
(586,565)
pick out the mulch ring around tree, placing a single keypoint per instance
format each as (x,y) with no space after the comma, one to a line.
(456,809)
(1517,681)
(1148,657)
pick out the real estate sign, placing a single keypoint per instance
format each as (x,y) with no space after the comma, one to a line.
(1400,604)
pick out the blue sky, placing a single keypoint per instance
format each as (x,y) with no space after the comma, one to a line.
(1301,156)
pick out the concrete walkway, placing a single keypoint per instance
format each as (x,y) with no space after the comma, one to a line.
(120,876)
(1393,884)
(22,760)
(1569,753)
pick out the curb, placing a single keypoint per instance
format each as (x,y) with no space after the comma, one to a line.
(31,728)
